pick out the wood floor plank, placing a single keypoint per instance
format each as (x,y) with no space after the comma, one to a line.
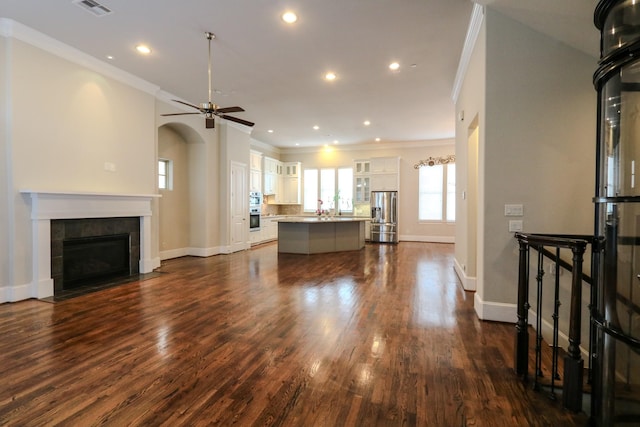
(380,337)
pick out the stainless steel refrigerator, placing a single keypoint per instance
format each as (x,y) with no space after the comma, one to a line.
(384,216)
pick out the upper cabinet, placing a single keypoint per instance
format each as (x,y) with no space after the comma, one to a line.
(361,181)
(291,183)
(385,173)
(272,169)
(255,160)
(292,169)
(385,164)
(361,167)
(255,171)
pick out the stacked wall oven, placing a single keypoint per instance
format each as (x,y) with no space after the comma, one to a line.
(384,216)
(255,206)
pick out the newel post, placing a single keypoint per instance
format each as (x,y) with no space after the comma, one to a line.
(573,362)
(522,334)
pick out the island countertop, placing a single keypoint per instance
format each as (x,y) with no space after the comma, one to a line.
(320,219)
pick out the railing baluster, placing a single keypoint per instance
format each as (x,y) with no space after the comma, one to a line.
(522,333)
(539,283)
(573,363)
(556,308)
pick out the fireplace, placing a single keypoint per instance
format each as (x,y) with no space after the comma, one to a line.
(79,211)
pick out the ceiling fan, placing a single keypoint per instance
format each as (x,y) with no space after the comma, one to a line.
(209,109)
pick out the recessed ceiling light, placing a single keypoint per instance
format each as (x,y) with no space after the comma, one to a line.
(367,122)
(145,50)
(297,143)
(377,139)
(289,17)
(270,131)
(330,76)
(109,57)
(394,66)
(335,141)
(316,127)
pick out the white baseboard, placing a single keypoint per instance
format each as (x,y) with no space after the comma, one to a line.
(468,282)
(495,311)
(174,253)
(427,239)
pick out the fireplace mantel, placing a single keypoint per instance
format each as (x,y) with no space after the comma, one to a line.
(48,205)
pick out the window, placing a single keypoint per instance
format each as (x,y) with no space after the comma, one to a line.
(333,186)
(437,193)
(165,168)
(310,196)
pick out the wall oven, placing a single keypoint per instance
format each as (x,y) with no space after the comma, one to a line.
(254,219)
(255,206)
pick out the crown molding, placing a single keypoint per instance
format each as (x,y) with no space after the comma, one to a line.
(475,24)
(13,29)
(373,146)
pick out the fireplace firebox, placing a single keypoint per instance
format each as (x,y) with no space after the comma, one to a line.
(90,251)
(91,259)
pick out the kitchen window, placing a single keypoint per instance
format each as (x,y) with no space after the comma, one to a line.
(333,186)
(437,193)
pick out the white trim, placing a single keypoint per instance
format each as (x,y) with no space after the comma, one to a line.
(174,253)
(427,239)
(374,146)
(14,29)
(477,16)
(468,282)
(46,205)
(495,311)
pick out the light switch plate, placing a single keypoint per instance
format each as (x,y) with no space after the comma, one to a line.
(515,225)
(513,210)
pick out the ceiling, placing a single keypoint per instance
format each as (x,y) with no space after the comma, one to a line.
(275,71)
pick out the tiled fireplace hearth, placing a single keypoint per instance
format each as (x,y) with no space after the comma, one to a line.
(48,206)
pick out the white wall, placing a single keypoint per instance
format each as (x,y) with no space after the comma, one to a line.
(174,205)
(538,149)
(64,122)
(5,160)
(469,177)
(410,153)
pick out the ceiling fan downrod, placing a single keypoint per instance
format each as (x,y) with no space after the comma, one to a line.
(209,36)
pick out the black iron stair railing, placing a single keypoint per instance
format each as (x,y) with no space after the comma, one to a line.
(550,246)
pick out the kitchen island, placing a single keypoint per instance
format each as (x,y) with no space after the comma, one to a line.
(314,235)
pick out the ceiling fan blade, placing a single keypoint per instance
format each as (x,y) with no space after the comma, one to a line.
(230,110)
(237,120)
(177,114)
(186,103)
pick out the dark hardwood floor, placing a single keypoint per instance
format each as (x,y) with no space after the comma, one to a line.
(380,337)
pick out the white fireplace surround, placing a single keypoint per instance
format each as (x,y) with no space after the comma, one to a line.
(46,206)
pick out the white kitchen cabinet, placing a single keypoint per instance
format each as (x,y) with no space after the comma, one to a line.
(291,190)
(255,171)
(292,169)
(361,167)
(270,175)
(385,173)
(362,192)
(255,180)
(384,182)
(255,160)
(384,164)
